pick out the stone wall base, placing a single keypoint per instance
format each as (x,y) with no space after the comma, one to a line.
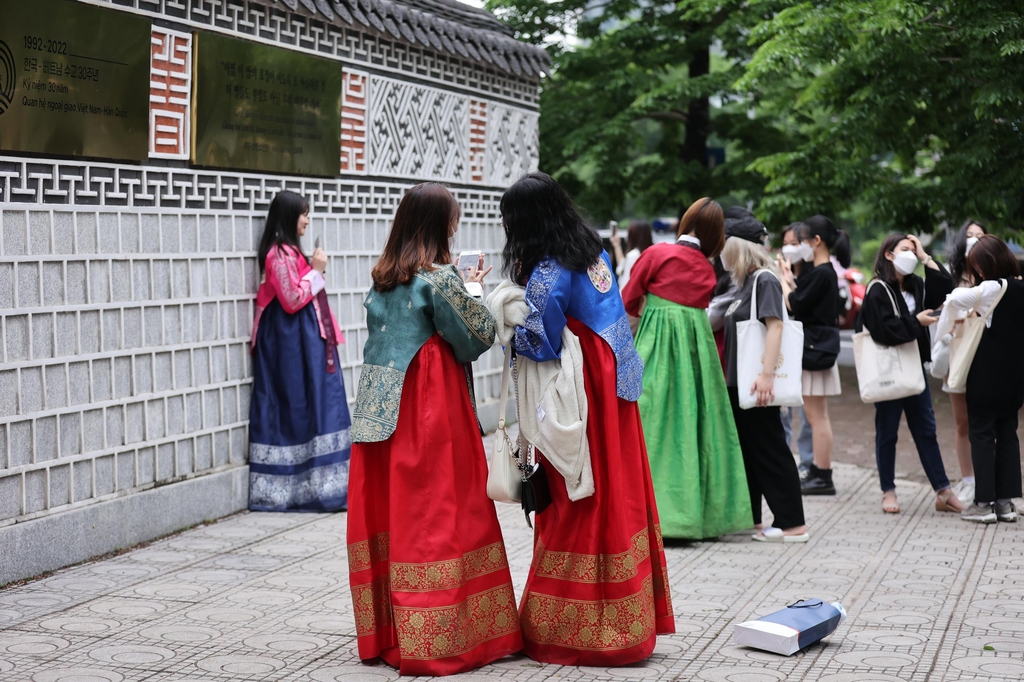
(46,544)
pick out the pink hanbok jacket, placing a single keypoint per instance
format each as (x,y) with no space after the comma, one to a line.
(292,281)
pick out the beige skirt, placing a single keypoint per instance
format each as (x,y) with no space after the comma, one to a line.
(822,382)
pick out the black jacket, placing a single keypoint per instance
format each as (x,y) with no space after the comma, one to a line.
(889,329)
(995,383)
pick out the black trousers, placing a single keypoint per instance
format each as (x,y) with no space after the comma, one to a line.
(995,452)
(771,469)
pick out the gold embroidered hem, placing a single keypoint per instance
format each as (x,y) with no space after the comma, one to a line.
(449,574)
(440,632)
(362,555)
(371,604)
(591,569)
(590,625)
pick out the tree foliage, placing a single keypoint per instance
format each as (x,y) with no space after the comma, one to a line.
(898,113)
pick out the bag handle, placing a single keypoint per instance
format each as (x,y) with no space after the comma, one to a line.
(888,289)
(503,399)
(753,297)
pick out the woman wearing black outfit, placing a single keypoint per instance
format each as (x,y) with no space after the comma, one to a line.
(995,383)
(815,303)
(915,297)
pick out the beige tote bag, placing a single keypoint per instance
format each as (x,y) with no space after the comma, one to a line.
(965,342)
(886,372)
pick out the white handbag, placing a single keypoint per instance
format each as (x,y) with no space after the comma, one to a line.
(965,344)
(504,479)
(750,342)
(886,372)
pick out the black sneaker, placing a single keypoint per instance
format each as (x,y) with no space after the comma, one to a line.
(818,482)
(1006,512)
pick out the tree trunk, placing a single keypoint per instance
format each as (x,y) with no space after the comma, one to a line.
(698,113)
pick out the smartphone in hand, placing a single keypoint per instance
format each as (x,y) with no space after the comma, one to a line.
(936,313)
(467,260)
(316,243)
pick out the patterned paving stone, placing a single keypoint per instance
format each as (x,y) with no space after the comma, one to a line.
(265,597)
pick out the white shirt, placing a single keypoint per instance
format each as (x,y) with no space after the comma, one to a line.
(625,266)
(962,301)
(911,303)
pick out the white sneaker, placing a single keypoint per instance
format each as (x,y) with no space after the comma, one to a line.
(964,491)
(978,514)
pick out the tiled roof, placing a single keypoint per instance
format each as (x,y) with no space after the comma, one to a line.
(441,25)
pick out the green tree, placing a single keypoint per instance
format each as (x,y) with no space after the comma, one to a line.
(922,102)
(627,116)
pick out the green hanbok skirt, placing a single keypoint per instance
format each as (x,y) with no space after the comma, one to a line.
(699,480)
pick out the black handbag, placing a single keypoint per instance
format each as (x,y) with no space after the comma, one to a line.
(821,347)
(536,494)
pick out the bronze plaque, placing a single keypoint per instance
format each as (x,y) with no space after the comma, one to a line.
(74,80)
(265,108)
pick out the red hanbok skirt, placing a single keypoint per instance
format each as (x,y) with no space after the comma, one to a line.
(430,581)
(598,591)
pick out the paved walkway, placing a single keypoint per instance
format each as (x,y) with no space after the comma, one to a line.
(265,597)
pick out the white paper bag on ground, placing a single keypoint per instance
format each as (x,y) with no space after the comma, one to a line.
(750,342)
(791,629)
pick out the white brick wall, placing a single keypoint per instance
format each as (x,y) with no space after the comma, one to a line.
(124,362)
(126,291)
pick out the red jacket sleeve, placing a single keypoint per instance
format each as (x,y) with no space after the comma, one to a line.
(639,279)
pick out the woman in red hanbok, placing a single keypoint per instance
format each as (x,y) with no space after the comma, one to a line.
(598,590)
(431,587)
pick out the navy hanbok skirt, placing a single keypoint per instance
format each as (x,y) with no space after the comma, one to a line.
(299,443)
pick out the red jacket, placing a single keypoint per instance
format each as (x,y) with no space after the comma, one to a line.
(674,272)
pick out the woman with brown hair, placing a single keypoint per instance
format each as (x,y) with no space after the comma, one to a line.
(995,382)
(431,587)
(695,456)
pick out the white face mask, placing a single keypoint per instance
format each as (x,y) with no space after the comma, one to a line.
(971,241)
(791,253)
(905,262)
(806,251)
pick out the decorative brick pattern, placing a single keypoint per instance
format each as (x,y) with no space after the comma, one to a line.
(477,140)
(170,93)
(354,101)
(418,132)
(512,144)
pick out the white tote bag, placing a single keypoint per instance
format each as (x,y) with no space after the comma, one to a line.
(965,344)
(750,341)
(886,372)
(504,479)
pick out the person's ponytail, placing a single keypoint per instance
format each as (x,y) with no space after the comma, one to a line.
(841,249)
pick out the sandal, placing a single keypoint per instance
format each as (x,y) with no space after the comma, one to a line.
(947,501)
(889,503)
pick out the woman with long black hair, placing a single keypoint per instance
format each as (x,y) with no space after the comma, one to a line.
(299,442)
(897,258)
(598,591)
(995,381)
